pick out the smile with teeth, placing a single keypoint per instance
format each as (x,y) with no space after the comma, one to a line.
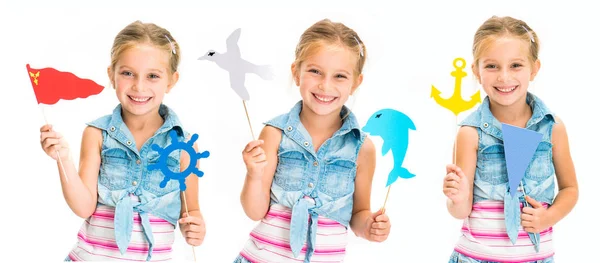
(139,99)
(506,89)
(324,98)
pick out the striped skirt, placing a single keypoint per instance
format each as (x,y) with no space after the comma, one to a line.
(269,241)
(484,237)
(96,239)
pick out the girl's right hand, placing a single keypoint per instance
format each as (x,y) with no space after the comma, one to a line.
(52,142)
(456,184)
(255,159)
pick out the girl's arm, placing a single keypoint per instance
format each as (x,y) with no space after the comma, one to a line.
(81,190)
(256,193)
(459,181)
(568,192)
(367,225)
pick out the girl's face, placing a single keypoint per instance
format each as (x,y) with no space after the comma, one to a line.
(326,79)
(141,79)
(504,70)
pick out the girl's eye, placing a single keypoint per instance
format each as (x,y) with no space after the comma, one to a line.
(154,76)
(341,76)
(126,73)
(313,71)
(516,65)
(490,66)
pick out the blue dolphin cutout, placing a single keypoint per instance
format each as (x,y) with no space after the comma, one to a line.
(392,126)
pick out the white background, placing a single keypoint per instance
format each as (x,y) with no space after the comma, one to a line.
(410,47)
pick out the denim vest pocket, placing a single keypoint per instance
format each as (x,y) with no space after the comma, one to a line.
(155,177)
(539,169)
(114,168)
(492,165)
(289,174)
(338,179)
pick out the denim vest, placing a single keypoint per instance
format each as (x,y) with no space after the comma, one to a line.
(491,178)
(315,183)
(123,171)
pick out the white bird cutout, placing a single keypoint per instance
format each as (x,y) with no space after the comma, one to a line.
(237,67)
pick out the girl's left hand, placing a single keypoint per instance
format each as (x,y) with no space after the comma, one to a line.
(378,226)
(192,229)
(533,219)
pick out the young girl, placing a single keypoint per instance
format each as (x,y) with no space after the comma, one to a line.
(128,215)
(309,175)
(498,227)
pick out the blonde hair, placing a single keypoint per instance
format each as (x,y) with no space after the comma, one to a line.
(496,27)
(145,33)
(328,32)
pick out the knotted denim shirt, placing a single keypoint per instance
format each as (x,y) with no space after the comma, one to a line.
(491,177)
(124,172)
(315,183)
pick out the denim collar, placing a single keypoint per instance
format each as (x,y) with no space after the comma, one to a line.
(117,129)
(486,121)
(350,123)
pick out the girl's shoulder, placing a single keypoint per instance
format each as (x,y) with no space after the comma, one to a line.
(107,121)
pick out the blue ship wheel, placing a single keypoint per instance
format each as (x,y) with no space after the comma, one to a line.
(164,156)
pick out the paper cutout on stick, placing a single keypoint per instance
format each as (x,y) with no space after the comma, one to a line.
(51,85)
(519,147)
(178,175)
(393,127)
(236,66)
(456,103)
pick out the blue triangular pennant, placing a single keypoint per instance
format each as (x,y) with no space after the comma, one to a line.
(519,146)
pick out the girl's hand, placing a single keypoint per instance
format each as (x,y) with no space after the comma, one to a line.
(378,226)
(192,229)
(255,159)
(53,142)
(456,184)
(533,219)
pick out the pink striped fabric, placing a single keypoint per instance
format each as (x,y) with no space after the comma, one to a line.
(484,237)
(269,241)
(96,239)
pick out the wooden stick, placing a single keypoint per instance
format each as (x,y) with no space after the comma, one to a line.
(455,140)
(188,214)
(62,167)
(386,197)
(249,123)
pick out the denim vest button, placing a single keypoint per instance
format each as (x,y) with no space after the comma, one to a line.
(289,128)
(112,128)
(134,183)
(128,142)
(316,163)
(310,185)
(485,125)
(138,161)
(306,144)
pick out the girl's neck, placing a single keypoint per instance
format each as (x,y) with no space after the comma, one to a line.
(517,114)
(136,123)
(320,125)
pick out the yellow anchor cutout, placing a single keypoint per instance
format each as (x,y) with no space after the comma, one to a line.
(456,103)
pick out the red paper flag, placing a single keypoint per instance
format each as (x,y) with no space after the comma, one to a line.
(51,85)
